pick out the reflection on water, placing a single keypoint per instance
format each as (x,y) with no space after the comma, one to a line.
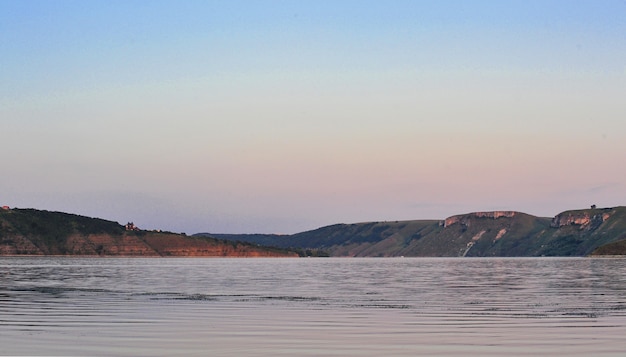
(312,307)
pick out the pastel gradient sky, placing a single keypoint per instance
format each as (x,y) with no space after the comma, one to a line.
(284,116)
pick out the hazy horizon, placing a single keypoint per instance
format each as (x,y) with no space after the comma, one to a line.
(284,116)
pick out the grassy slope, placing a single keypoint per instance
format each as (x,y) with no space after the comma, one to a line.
(520,235)
(365,239)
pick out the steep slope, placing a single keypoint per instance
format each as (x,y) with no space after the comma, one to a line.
(499,233)
(36,232)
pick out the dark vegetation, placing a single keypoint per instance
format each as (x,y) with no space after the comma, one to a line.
(49,230)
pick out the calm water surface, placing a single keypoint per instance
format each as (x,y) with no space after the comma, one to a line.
(312,307)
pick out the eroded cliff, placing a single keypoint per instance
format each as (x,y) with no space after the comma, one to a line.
(584,219)
(465,219)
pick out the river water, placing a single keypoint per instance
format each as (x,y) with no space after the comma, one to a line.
(312,307)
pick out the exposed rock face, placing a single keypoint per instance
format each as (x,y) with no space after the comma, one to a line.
(465,219)
(501,233)
(584,219)
(106,244)
(184,246)
(18,245)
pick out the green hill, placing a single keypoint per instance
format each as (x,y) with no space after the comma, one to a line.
(36,232)
(500,233)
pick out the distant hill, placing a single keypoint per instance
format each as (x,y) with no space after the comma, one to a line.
(596,232)
(478,234)
(36,232)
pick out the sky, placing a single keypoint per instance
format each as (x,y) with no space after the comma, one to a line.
(285,116)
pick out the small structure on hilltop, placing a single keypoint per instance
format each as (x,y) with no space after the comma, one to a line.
(130,226)
(6,208)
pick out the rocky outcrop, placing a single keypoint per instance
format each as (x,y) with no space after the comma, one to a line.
(108,245)
(183,246)
(583,219)
(18,245)
(465,219)
(501,234)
